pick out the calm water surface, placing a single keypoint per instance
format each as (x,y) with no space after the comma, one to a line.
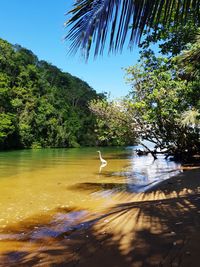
(36,182)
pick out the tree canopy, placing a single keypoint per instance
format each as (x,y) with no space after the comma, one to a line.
(41,106)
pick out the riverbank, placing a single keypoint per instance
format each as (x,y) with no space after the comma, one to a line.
(156,228)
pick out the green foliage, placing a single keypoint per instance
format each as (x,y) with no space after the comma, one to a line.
(41,106)
(165,104)
(36,145)
(6,125)
(189,60)
(165,96)
(114,125)
(172,40)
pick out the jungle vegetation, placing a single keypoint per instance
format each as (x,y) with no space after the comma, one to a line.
(41,106)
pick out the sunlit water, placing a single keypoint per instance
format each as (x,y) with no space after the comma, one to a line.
(38,182)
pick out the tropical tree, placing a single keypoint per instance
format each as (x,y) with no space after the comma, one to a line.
(41,106)
(95,21)
(164,107)
(115,124)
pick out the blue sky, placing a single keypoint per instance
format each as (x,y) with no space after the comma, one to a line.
(38,26)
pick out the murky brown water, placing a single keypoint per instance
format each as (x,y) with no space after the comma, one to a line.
(47,195)
(38,182)
(35,182)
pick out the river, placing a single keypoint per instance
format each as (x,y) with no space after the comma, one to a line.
(34,183)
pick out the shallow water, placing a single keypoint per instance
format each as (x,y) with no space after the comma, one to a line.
(34,183)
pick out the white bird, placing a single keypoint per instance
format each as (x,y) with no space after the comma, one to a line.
(103,161)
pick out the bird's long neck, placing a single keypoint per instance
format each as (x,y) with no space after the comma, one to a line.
(100,156)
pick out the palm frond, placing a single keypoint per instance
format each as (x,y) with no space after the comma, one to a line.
(189,60)
(95,21)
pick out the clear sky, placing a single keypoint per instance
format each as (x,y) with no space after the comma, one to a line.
(38,25)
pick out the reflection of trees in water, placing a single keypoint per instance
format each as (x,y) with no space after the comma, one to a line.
(139,175)
(145,170)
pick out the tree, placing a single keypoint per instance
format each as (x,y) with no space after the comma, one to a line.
(6,125)
(165,105)
(41,106)
(92,21)
(115,125)
(163,108)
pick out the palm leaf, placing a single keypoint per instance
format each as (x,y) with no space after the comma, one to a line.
(189,60)
(95,21)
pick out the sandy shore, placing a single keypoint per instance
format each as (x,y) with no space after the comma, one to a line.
(160,227)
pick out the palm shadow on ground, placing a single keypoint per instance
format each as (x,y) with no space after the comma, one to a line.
(156,232)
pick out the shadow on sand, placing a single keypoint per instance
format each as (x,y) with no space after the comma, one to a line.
(183,182)
(156,229)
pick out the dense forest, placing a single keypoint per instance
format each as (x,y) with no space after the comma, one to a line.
(41,106)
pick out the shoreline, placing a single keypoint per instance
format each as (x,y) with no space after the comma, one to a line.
(161,183)
(188,179)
